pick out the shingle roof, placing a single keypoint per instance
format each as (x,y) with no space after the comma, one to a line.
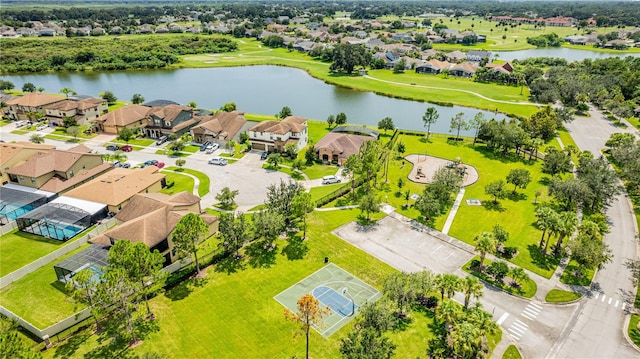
(81,105)
(118,185)
(8,150)
(168,112)
(124,116)
(289,124)
(223,124)
(35,99)
(58,184)
(56,160)
(344,144)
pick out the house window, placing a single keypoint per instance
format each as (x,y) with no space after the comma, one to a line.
(21,178)
(158,122)
(33,180)
(70,173)
(167,124)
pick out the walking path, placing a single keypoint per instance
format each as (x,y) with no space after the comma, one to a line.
(454,210)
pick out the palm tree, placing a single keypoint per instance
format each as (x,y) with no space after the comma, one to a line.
(518,275)
(543,221)
(448,283)
(448,312)
(567,224)
(554,228)
(67,91)
(485,243)
(471,287)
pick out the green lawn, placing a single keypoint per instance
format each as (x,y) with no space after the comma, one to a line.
(180,183)
(511,353)
(527,289)
(238,309)
(561,296)
(38,297)
(4,122)
(53,136)
(634,332)
(205,182)
(319,171)
(18,249)
(191,149)
(319,192)
(569,275)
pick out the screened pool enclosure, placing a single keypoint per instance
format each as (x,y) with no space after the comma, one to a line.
(16,201)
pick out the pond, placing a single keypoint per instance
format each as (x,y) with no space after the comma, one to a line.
(569,54)
(254,89)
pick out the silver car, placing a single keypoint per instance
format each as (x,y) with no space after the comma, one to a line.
(218,161)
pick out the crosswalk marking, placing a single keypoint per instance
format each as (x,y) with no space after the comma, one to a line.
(617,301)
(503,317)
(532,304)
(603,297)
(609,300)
(520,324)
(528,316)
(624,304)
(531,311)
(597,295)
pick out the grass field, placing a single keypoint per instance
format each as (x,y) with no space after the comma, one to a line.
(561,296)
(319,171)
(634,332)
(569,275)
(180,183)
(527,288)
(205,182)
(511,353)
(319,192)
(18,249)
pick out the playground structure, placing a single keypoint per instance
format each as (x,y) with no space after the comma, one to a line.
(424,167)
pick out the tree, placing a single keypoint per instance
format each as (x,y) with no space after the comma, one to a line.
(125,134)
(448,284)
(458,123)
(429,118)
(369,203)
(181,162)
(310,154)
(176,146)
(590,253)
(290,150)
(268,225)
(284,113)
(495,189)
(137,99)
(544,218)
(471,286)
(120,302)
(518,275)
(28,87)
(228,107)
(448,312)
(110,97)
(309,313)
(476,122)
(400,66)
(428,205)
(366,343)
(302,205)
(569,192)
(600,179)
(227,198)
(556,162)
(190,231)
(280,199)
(233,232)
(541,124)
(499,270)
(11,343)
(401,148)
(331,120)
(69,121)
(500,234)
(36,138)
(67,91)
(346,57)
(386,124)
(519,177)
(73,131)
(341,118)
(82,289)
(274,159)
(400,289)
(141,265)
(6,85)
(193,104)
(485,243)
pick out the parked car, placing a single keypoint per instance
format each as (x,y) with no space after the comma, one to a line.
(117,164)
(218,161)
(125,165)
(42,127)
(159,164)
(204,145)
(113,147)
(331,179)
(264,155)
(212,147)
(162,140)
(126,148)
(150,162)
(20,123)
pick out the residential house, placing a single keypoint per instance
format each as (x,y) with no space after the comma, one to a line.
(151,218)
(428,54)
(479,56)
(336,147)
(17,153)
(82,109)
(169,119)
(373,43)
(116,187)
(146,29)
(456,56)
(219,128)
(59,171)
(433,66)
(31,106)
(116,30)
(275,135)
(505,67)
(304,46)
(129,116)
(464,69)
(162,29)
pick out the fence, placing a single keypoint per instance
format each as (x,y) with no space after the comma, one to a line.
(9,227)
(19,273)
(341,191)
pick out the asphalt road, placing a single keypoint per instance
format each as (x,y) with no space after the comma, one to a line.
(596,330)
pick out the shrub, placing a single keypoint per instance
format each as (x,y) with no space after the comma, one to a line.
(498,270)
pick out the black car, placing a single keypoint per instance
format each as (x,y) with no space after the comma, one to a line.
(113,147)
(264,155)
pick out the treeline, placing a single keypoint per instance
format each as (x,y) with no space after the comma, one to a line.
(79,54)
(625,13)
(611,83)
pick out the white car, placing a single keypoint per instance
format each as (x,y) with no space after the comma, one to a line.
(42,127)
(218,161)
(212,147)
(20,123)
(331,179)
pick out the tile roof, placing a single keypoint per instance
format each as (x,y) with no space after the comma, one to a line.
(223,124)
(8,150)
(118,185)
(58,184)
(81,105)
(124,116)
(35,99)
(289,124)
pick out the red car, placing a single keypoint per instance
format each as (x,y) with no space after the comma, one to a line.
(159,164)
(126,148)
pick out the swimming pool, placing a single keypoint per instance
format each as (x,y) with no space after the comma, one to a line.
(11,212)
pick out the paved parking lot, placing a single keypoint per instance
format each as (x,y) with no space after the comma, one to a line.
(404,247)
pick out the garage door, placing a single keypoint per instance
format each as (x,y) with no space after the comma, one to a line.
(257,146)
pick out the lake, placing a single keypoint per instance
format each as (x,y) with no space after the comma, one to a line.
(254,89)
(569,54)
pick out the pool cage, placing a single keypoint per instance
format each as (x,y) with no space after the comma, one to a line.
(58,221)
(93,258)
(15,203)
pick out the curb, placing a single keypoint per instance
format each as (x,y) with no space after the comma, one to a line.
(625,332)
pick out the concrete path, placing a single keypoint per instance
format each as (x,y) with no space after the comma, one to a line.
(454,210)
